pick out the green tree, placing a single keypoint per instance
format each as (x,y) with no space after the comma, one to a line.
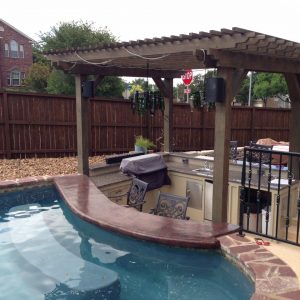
(37,77)
(134,88)
(73,35)
(110,87)
(61,83)
(268,85)
(243,94)
(196,86)
(141,85)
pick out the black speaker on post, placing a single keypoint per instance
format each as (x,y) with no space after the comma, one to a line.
(88,89)
(215,89)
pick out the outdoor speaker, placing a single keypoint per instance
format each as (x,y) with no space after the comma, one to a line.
(88,89)
(215,89)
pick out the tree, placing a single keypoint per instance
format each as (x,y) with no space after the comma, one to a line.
(268,85)
(37,77)
(61,83)
(73,35)
(197,86)
(243,94)
(110,87)
(140,85)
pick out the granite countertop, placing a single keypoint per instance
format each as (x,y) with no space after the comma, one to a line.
(111,178)
(108,178)
(234,175)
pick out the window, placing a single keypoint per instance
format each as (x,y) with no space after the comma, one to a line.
(8,79)
(6,50)
(22,78)
(21,52)
(15,78)
(14,49)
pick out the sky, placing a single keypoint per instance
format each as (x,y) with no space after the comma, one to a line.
(133,19)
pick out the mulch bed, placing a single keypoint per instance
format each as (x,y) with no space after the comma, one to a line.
(20,168)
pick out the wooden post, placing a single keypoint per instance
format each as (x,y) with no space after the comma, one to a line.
(233,79)
(82,128)
(252,124)
(293,83)
(166,89)
(8,149)
(168,117)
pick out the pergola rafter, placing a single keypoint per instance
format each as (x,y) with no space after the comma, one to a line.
(232,51)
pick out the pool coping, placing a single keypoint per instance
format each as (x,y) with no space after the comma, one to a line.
(272,277)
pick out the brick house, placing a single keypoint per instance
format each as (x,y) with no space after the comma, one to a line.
(15,55)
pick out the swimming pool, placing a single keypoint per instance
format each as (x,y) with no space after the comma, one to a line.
(49,253)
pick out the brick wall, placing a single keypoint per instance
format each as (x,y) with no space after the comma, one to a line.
(7,64)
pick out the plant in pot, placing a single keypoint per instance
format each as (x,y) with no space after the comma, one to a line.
(142,144)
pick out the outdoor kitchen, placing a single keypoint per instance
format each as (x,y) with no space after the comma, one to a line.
(191,174)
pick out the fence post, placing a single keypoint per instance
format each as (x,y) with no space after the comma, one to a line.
(252,123)
(7,151)
(201,128)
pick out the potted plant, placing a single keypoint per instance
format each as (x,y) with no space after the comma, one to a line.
(142,144)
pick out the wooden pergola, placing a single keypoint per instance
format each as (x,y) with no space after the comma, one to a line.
(232,52)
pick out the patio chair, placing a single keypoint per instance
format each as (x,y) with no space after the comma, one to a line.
(233,150)
(136,194)
(257,156)
(171,206)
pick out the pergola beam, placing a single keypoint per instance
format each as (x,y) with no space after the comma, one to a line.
(87,69)
(254,62)
(151,48)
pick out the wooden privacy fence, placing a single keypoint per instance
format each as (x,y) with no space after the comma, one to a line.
(45,125)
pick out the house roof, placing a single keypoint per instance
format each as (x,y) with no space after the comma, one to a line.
(17,30)
(236,48)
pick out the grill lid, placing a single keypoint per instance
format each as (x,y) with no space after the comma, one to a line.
(143,164)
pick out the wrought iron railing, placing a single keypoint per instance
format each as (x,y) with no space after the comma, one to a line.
(269,196)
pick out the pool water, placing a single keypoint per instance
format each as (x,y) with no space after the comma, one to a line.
(49,253)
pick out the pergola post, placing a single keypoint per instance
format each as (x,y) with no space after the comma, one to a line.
(168,116)
(166,89)
(82,128)
(233,79)
(293,83)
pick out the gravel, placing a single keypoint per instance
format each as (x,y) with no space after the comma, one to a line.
(20,168)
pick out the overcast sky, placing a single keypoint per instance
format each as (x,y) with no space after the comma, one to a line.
(133,19)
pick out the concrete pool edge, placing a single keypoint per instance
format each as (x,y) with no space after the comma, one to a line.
(273,280)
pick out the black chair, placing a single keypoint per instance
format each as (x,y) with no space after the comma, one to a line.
(136,194)
(258,156)
(171,206)
(233,150)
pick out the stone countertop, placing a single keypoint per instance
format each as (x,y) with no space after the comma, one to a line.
(116,176)
(89,203)
(234,175)
(110,178)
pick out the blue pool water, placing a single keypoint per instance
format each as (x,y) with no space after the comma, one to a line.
(47,252)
